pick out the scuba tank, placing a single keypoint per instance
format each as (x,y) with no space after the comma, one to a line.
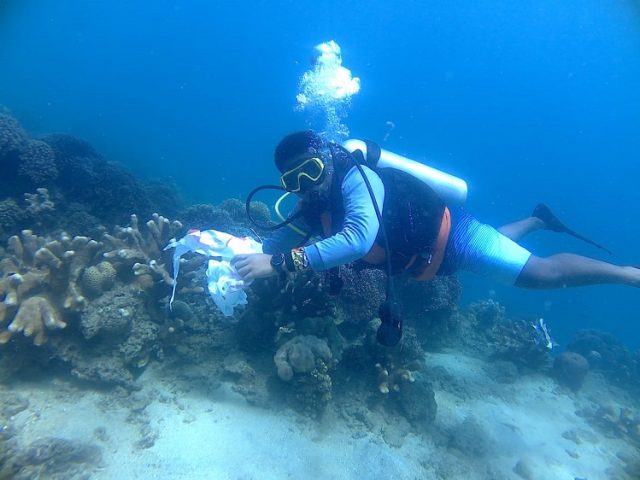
(451,189)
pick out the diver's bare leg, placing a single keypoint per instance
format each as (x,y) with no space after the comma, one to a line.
(569,270)
(516,230)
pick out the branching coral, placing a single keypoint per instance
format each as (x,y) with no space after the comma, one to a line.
(39,202)
(47,270)
(131,250)
(35,316)
(390,377)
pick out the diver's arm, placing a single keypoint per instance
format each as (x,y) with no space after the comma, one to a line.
(360,224)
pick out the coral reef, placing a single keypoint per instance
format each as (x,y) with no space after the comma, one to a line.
(11,215)
(486,331)
(487,314)
(98,279)
(55,458)
(132,251)
(37,163)
(615,420)
(417,402)
(48,270)
(570,369)
(428,307)
(606,353)
(302,354)
(229,216)
(305,361)
(34,317)
(362,292)
(118,338)
(12,136)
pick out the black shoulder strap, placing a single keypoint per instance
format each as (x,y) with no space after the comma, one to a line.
(373,154)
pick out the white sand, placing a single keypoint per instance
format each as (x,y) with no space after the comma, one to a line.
(222,437)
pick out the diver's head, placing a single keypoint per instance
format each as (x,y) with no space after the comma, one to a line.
(304,161)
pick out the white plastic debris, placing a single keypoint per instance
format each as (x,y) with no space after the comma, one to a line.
(223,282)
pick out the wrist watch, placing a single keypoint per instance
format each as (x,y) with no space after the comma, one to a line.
(277,262)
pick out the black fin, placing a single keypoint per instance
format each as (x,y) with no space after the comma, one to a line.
(552,223)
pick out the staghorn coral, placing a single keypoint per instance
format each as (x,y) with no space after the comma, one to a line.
(37,162)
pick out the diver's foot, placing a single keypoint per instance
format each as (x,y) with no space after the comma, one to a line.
(545,214)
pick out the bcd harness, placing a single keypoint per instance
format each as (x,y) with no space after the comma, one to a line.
(416,220)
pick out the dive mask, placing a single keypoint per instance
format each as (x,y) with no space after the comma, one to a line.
(305,175)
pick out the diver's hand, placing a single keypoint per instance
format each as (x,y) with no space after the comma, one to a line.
(253,265)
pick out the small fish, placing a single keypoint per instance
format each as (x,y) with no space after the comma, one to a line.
(542,336)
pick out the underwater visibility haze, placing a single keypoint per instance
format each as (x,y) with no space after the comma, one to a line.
(125,125)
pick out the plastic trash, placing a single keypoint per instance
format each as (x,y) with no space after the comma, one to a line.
(223,282)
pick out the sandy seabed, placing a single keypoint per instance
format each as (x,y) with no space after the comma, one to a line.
(532,429)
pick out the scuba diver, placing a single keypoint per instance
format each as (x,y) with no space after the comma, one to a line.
(390,218)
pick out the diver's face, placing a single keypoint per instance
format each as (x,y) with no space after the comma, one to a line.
(321,189)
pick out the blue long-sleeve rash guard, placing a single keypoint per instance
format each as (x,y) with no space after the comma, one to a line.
(358,232)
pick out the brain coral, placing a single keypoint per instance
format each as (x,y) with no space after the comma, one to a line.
(98,279)
(299,355)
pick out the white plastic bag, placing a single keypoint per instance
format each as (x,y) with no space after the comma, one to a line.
(223,282)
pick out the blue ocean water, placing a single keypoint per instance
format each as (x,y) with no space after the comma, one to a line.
(529,101)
